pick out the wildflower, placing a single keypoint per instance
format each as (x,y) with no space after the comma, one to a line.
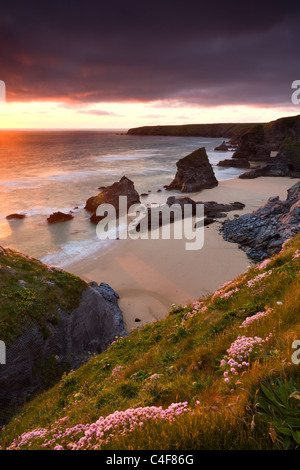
(255,317)
(296,254)
(239,353)
(264,264)
(258,278)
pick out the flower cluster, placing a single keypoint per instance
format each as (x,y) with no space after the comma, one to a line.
(258,278)
(196,307)
(284,243)
(116,371)
(101,432)
(224,293)
(264,264)
(239,354)
(296,254)
(255,317)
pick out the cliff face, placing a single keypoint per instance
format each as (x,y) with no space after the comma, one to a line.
(194,173)
(40,346)
(285,128)
(286,163)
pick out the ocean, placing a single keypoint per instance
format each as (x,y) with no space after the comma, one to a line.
(42,172)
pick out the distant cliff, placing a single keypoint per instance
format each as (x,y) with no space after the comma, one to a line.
(275,132)
(227,130)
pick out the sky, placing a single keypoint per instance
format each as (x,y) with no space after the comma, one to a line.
(93,64)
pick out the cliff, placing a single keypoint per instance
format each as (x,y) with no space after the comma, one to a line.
(227,130)
(275,132)
(51,322)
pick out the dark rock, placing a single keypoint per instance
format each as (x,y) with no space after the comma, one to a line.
(253,146)
(111,297)
(194,173)
(235,163)
(57,217)
(223,147)
(15,216)
(286,163)
(212,209)
(71,342)
(144,194)
(110,195)
(264,231)
(276,132)
(182,201)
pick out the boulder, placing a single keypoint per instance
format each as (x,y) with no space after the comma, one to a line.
(110,195)
(59,217)
(15,216)
(194,173)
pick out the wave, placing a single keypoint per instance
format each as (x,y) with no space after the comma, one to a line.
(126,157)
(74,251)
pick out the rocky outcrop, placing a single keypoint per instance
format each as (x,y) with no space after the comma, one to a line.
(222,147)
(263,232)
(57,217)
(212,210)
(235,163)
(252,147)
(110,195)
(286,163)
(70,342)
(15,216)
(194,173)
(256,144)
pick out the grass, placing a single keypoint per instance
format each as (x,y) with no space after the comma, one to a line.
(31,291)
(178,359)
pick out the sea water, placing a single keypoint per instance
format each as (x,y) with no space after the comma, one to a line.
(42,172)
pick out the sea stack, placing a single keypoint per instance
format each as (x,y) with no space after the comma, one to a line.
(110,195)
(194,173)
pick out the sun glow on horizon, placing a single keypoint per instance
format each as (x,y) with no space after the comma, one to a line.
(62,115)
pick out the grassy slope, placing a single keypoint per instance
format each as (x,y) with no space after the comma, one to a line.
(178,359)
(32,291)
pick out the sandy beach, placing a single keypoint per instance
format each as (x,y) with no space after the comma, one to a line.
(151,275)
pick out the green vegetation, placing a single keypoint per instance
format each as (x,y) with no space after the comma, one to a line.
(31,291)
(291,151)
(253,404)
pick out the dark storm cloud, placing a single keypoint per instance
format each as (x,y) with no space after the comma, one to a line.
(195,52)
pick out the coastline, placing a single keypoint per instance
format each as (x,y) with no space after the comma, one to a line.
(151,275)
